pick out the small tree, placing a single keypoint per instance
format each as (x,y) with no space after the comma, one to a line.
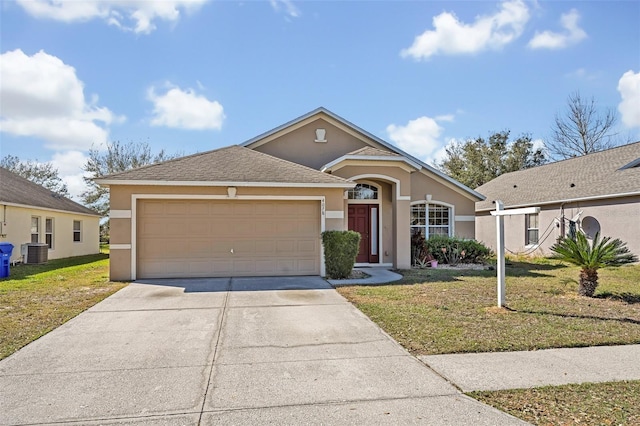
(591,257)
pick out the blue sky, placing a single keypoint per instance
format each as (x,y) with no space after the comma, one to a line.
(194,75)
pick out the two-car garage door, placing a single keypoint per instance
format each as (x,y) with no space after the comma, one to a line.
(212,238)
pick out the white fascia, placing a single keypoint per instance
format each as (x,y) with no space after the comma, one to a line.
(570,200)
(112,182)
(329,166)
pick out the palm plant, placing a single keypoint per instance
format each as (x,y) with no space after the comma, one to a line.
(591,257)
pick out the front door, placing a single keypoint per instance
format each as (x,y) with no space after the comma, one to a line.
(363,218)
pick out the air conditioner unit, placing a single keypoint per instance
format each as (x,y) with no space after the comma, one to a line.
(34,253)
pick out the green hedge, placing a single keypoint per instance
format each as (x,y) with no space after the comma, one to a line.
(340,251)
(452,250)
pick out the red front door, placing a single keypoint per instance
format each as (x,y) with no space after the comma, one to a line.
(361,220)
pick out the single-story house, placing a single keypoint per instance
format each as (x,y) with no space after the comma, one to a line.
(258,209)
(33,214)
(595,192)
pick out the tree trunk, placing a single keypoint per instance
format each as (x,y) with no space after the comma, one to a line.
(588,282)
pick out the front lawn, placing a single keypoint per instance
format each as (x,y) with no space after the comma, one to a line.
(35,299)
(437,311)
(615,403)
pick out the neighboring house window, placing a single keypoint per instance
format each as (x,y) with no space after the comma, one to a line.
(77,231)
(436,220)
(48,232)
(362,191)
(35,229)
(532,229)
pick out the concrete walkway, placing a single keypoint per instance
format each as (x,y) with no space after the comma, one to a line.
(377,276)
(221,351)
(529,369)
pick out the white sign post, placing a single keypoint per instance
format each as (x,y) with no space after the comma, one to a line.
(500,213)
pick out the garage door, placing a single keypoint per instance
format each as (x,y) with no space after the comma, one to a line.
(221,238)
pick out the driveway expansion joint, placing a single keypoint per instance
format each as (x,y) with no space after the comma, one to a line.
(218,337)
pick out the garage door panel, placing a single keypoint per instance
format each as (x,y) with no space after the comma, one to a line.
(307,246)
(241,208)
(176,208)
(307,266)
(198,208)
(265,246)
(195,238)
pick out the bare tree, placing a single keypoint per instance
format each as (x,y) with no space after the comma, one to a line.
(117,157)
(582,129)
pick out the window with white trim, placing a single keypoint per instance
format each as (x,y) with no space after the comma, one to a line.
(48,232)
(363,191)
(436,220)
(532,229)
(77,231)
(35,229)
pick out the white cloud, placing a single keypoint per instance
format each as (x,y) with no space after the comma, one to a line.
(419,137)
(573,34)
(185,109)
(69,165)
(629,88)
(582,74)
(134,15)
(450,36)
(289,8)
(42,97)
(538,144)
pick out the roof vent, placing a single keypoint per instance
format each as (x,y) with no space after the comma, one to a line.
(572,185)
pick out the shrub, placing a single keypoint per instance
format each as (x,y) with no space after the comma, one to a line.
(340,251)
(452,250)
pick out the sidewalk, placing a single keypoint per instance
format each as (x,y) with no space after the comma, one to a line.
(529,369)
(523,369)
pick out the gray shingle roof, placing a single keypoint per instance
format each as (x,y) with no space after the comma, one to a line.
(231,164)
(370,151)
(15,189)
(599,174)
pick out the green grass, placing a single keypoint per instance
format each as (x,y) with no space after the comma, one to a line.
(454,311)
(35,299)
(615,403)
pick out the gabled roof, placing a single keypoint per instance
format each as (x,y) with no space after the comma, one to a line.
(16,190)
(321,110)
(370,153)
(604,174)
(233,165)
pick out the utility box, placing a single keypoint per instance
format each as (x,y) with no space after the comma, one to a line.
(36,253)
(5,259)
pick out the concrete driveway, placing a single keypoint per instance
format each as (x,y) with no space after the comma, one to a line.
(227,351)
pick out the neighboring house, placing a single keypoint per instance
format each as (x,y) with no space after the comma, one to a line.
(33,214)
(259,209)
(595,192)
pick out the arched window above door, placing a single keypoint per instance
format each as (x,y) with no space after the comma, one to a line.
(363,191)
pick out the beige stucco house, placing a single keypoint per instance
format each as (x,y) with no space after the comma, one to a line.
(595,192)
(259,209)
(33,214)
